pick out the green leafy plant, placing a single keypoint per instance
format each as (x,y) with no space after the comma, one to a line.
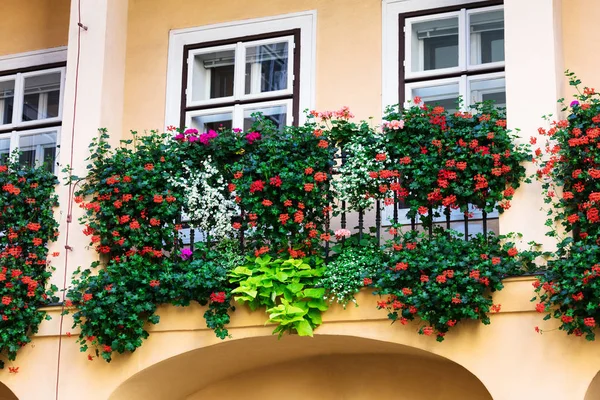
(443,279)
(27,226)
(454,160)
(286,287)
(132,205)
(569,169)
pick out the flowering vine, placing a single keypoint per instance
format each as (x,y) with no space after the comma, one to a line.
(27,226)
(569,169)
(131,211)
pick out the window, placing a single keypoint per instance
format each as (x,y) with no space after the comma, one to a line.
(220,75)
(30,114)
(225,83)
(454,54)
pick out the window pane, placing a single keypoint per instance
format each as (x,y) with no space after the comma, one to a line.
(38,149)
(434,44)
(213,122)
(4,150)
(443,95)
(489,89)
(486,33)
(276,114)
(212,75)
(266,68)
(41,97)
(7,97)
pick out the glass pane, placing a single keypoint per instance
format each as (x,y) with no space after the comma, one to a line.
(213,122)
(37,149)
(7,98)
(212,75)
(443,95)
(434,44)
(489,89)
(266,68)
(41,97)
(4,150)
(276,114)
(486,33)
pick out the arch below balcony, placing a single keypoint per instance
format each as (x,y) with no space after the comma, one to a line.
(323,367)
(6,393)
(593,391)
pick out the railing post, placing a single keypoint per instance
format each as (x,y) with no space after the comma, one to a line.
(378,221)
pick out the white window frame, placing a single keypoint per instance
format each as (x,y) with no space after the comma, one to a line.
(305,21)
(290,73)
(471,78)
(464,86)
(15,137)
(409,73)
(474,44)
(391,65)
(14,131)
(391,35)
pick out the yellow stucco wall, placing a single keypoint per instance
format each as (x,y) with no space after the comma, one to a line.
(579,43)
(38,24)
(346,73)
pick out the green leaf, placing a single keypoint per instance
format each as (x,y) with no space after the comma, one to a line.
(303,328)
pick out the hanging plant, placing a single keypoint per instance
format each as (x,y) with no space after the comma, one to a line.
(27,226)
(569,169)
(455,160)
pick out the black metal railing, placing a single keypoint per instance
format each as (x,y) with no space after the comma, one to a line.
(343,217)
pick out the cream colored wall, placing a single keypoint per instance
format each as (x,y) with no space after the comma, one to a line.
(182,356)
(580,43)
(29,25)
(351,377)
(348,70)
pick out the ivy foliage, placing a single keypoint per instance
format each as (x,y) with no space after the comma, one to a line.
(27,226)
(443,279)
(569,169)
(131,208)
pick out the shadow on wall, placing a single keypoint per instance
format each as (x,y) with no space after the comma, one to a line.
(324,367)
(593,392)
(6,393)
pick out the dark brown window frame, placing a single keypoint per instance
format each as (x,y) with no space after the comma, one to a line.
(33,68)
(402,80)
(295,96)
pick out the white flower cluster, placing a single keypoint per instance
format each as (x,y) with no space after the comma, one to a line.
(354,181)
(345,276)
(209,206)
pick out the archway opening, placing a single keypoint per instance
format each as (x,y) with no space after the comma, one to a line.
(323,367)
(593,392)
(6,393)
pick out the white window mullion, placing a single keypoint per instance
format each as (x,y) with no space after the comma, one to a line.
(462,90)
(18,100)
(463,38)
(238,117)
(14,141)
(239,71)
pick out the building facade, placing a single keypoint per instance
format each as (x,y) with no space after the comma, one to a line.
(70,67)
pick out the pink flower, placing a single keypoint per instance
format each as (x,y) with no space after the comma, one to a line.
(342,233)
(191,131)
(252,136)
(395,124)
(186,254)
(205,138)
